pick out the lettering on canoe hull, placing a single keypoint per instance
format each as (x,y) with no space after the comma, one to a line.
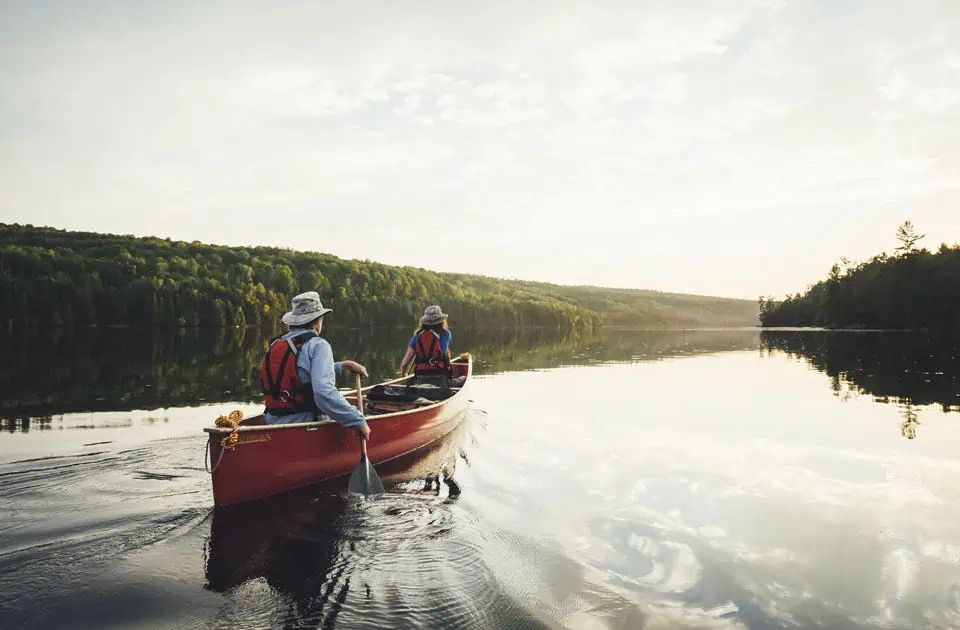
(250,439)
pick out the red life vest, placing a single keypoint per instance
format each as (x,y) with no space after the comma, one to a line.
(428,358)
(283,391)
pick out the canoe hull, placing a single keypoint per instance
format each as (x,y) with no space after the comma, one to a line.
(269,460)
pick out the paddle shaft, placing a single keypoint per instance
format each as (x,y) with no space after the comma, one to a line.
(363,440)
(348,394)
(364,479)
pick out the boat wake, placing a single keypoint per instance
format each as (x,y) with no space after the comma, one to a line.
(320,558)
(399,560)
(69,517)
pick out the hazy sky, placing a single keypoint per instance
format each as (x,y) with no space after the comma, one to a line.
(728,148)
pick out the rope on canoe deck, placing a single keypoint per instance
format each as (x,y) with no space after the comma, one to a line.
(232,420)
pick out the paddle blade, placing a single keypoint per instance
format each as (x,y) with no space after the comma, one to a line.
(364,479)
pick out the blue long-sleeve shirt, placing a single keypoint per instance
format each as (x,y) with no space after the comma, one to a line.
(315,365)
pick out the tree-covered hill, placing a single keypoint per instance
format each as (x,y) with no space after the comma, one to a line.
(913,288)
(51,277)
(656,309)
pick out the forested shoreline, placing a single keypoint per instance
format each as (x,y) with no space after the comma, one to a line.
(52,277)
(910,289)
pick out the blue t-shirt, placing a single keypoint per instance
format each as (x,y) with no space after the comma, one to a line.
(445,337)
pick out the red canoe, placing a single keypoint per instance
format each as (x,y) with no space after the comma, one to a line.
(270,459)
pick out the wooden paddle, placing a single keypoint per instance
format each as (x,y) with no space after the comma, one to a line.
(364,479)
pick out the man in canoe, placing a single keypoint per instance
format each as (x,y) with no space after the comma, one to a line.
(298,373)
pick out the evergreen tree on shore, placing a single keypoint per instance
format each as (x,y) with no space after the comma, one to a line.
(915,288)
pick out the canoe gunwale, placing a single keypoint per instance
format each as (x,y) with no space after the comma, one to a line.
(370,419)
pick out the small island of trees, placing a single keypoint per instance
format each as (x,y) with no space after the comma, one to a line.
(913,288)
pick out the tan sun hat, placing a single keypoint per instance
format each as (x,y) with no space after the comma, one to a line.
(306,308)
(432,315)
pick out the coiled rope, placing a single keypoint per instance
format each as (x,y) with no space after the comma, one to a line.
(228,443)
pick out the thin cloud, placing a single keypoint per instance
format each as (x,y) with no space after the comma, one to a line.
(699,132)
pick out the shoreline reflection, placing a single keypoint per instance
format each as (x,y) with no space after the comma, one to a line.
(126,369)
(908,369)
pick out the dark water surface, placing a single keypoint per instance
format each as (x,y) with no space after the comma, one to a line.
(613,480)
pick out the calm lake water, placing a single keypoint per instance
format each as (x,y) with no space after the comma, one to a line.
(610,480)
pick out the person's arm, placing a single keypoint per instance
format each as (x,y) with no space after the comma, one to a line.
(325,394)
(352,366)
(446,337)
(407,359)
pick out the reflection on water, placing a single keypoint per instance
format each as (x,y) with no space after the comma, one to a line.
(724,490)
(25,424)
(907,369)
(61,372)
(68,371)
(329,557)
(613,480)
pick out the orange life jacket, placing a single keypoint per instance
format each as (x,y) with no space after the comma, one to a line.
(428,358)
(283,391)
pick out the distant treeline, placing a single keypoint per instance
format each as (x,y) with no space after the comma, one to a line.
(913,288)
(51,277)
(55,277)
(653,309)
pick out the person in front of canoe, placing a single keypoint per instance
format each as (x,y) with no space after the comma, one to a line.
(298,373)
(429,351)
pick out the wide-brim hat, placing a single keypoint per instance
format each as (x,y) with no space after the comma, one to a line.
(306,308)
(432,315)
